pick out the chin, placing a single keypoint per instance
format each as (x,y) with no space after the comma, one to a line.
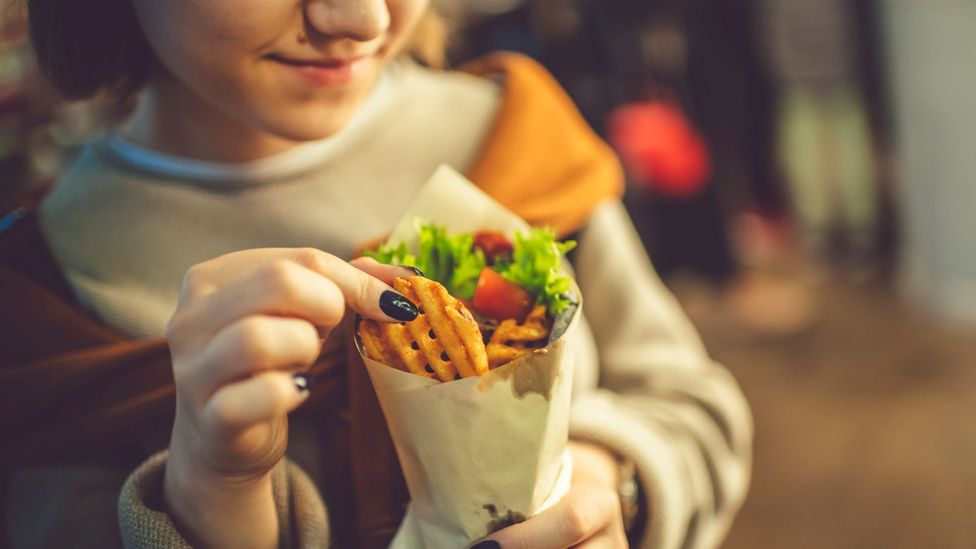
(310,126)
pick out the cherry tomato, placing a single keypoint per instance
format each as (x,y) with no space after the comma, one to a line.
(493,243)
(498,298)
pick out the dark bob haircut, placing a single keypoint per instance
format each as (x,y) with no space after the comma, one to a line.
(87,47)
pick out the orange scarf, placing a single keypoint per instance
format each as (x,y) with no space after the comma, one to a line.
(542,161)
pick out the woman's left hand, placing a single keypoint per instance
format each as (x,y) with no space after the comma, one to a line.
(588,516)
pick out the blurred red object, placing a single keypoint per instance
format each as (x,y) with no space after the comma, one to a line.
(660,148)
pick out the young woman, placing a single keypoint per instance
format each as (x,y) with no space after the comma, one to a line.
(195,259)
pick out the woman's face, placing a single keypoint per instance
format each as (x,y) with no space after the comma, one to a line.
(296,69)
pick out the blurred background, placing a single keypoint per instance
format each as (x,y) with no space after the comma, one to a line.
(802,176)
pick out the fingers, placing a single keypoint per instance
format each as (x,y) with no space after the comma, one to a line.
(280,287)
(303,282)
(261,398)
(384,272)
(365,294)
(583,514)
(253,344)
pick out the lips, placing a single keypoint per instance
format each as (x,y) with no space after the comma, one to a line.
(324,71)
(332,62)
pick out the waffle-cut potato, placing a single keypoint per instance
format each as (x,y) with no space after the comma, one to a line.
(446,331)
(444,339)
(376,347)
(392,345)
(512,340)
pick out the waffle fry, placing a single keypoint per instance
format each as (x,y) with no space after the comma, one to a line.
(443,341)
(393,345)
(512,340)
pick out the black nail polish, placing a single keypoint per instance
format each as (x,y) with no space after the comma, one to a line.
(397,307)
(304,382)
(415,270)
(489,544)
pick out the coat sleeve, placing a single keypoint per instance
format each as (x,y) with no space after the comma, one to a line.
(68,384)
(145,524)
(659,399)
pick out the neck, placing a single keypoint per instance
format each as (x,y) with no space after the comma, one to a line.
(201,131)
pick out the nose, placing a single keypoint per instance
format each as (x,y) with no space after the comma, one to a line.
(356,19)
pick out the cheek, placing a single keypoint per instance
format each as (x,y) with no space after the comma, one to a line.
(188,35)
(214,47)
(404,16)
(407,10)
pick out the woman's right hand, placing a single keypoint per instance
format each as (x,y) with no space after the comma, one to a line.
(245,325)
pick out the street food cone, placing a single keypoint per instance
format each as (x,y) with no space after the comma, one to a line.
(478,453)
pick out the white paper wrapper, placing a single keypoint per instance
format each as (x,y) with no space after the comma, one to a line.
(478,453)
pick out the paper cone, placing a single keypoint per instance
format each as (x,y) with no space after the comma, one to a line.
(485,452)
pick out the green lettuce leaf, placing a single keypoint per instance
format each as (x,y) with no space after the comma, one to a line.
(453,261)
(450,260)
(535,266)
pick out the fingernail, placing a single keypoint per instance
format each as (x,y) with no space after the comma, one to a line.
(415,270)
(489,544)
(397,307)
(304,382)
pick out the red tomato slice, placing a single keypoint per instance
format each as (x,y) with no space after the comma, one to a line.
(493,243)
(501,299)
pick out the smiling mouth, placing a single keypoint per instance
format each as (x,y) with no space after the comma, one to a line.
(324,72)
(333,63)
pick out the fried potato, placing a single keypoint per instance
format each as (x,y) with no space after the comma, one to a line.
(376,347)
(444,339)
(446,331)
(512,340)
(392,344)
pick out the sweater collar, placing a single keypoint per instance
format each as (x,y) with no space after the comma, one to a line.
(284,165)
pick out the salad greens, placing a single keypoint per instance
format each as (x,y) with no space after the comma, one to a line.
(535,267)
(455,262)
(451,260)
